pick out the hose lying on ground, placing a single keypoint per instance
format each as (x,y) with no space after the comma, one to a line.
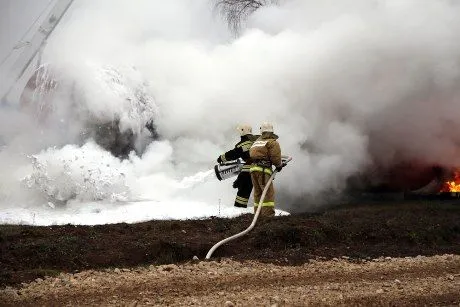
(256,215)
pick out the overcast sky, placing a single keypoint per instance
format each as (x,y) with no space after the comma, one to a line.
(16,16)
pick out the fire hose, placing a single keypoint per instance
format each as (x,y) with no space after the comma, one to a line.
(256,215)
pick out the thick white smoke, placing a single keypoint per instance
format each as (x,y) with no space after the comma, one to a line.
(347,84)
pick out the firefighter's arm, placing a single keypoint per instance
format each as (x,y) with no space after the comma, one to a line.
(274,153)
(230,155)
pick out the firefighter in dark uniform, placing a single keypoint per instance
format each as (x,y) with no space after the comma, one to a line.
(243,182)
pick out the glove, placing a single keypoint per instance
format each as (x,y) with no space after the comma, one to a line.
(235,184)
(219,160)
(279,168)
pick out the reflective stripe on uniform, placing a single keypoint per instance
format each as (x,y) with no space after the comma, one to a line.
(259,143)
(266,204)
(245,146)
(241,200)
(222,157)
(261,169)
(246,168)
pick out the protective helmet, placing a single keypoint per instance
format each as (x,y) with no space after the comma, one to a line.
(266,127)
(244,129)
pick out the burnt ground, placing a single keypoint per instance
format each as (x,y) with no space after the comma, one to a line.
(363,231)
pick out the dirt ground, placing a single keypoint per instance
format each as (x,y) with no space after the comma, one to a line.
(403,282)
(369,254)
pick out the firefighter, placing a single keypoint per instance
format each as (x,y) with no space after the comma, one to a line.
(243,182)
(265,153)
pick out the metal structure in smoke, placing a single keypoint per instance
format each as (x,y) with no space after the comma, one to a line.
(47,92)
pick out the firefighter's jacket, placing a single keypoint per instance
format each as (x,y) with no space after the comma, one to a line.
(265,152)
(241,150)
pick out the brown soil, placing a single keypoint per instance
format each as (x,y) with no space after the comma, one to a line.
(389,282)
(287,250)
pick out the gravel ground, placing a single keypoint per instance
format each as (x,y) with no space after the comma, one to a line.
(409,281)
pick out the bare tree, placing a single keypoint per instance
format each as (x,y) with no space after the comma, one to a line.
(236,11)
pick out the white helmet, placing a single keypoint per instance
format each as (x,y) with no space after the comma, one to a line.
(266,127)
(244,129)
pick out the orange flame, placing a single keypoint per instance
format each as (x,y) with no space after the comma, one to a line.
(452,185)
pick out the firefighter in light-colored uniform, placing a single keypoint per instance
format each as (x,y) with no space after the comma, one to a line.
(243,182)
(265,153)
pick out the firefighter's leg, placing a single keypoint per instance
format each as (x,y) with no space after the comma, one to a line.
(257,188)
(268,206)
(244,190)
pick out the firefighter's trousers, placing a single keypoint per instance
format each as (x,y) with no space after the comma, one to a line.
(244,185)
(260,177)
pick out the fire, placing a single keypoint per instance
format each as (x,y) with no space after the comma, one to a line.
(452,185)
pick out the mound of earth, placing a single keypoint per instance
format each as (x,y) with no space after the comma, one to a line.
(357,232)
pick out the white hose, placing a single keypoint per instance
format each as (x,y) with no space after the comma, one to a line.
(209,254)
